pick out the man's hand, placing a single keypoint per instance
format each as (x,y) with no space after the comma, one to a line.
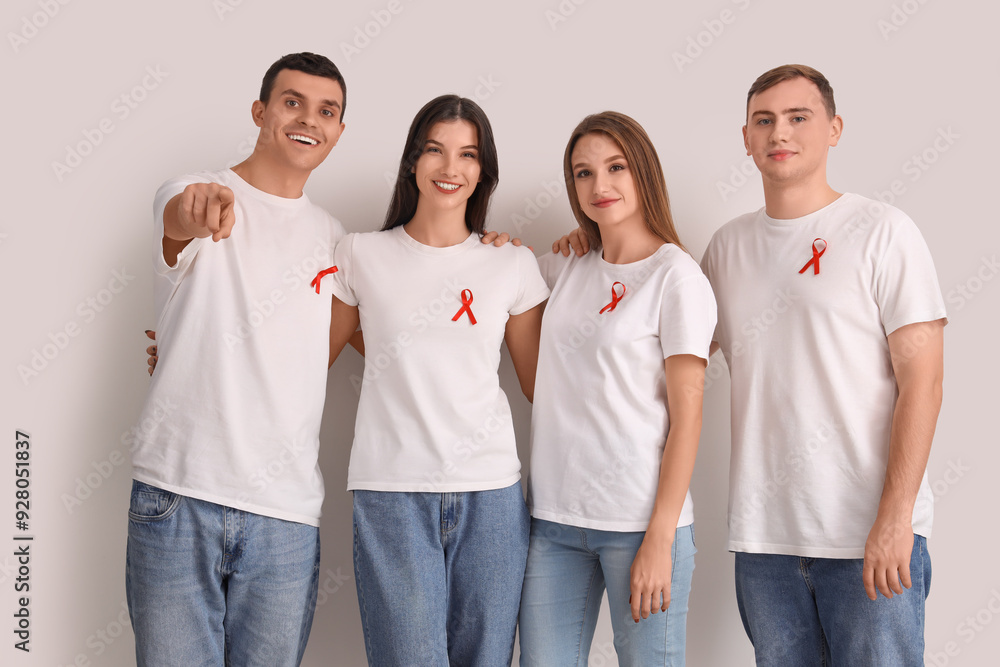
(650,578)
(576,241)
(500,239)
(151,351)
(887,557)
(202,210)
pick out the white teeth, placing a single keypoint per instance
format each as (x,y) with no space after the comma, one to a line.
(299,137)
(446,186)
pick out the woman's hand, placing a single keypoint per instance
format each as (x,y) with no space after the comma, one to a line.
(151,351)
(650,576)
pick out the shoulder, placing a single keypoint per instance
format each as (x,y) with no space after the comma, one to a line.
(733,229)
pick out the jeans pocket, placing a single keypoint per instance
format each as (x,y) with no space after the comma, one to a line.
(149,503)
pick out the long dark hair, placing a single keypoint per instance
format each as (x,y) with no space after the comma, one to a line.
(445,109)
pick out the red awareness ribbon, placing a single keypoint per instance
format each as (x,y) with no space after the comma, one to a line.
(466,303)
(615,298)
(814,262)
(319,277)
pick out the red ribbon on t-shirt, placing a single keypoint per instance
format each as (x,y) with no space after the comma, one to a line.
(615,298)
(466,303)
(319,277)
(814,262)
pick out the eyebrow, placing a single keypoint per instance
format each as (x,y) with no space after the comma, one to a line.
(791,110)
(433,141)
(613,158)
(294,93)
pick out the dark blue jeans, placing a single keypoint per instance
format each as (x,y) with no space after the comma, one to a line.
(814,611)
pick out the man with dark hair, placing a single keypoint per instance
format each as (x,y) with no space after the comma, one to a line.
(223,542)
(831,321)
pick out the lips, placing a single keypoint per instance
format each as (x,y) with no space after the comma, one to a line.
(603,203)
(446,187)
(780,156)
(303,139)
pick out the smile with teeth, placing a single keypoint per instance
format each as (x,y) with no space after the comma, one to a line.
(451,187)
(302,139)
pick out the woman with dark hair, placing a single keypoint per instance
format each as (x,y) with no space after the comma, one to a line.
(617,413)
(440,524)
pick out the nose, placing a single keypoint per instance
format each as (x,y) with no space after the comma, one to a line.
(781,129)
(307,115)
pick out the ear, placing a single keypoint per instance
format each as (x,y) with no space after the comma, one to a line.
(746,141)
(257,113)
(836,129)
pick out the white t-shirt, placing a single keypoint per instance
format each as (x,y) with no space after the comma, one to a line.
(599,421)
(805,306)
(234,407)
(432,416)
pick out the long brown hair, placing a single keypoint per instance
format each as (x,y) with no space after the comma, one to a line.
(445,109)
(647,174)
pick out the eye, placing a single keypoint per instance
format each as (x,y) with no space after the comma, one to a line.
(327,112)
(764,121)
(617,167)
(432,149)
(292,103)
(470,154)
(583,173)
(799,119)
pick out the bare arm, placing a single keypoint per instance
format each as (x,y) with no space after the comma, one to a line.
(917,352)
(651,568)
(344,322)
(521,335)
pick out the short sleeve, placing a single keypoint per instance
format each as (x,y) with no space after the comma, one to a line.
(688,317)
(906,284)
(342,280)
(532,289)
(706,267)
(551,265)
(168,191)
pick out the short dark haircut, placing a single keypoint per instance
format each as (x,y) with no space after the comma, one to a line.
(310,63)
(773,77)
(445,109)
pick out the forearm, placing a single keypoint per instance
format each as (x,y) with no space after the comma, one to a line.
(913,422)
(676,469)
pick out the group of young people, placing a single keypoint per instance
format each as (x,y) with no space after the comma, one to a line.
(611,346)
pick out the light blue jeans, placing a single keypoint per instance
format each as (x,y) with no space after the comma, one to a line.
(211,585)
(568,569)
(439,575)
(814,611)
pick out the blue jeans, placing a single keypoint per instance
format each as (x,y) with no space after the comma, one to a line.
(439,575)
(568,569)
(814,611)
(211,585)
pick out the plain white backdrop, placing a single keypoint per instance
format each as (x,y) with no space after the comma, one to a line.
(105,100)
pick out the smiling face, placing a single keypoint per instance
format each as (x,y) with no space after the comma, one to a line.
(603,181)
(448,168)
(300,122)
(789,133)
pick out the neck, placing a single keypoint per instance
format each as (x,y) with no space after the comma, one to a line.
(788,201)
(626,243)
(278,181)
(437,228)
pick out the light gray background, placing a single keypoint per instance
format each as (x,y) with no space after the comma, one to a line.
(906,75)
